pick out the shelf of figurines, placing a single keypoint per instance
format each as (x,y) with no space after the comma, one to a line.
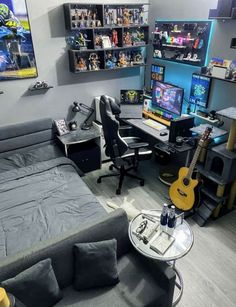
(89,16)
(103,60)
(108,38)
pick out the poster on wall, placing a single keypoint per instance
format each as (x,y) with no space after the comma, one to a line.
(17,59)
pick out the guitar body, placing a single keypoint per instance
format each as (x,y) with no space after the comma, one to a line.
(182,192)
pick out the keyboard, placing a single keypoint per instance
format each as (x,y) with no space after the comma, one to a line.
(154,124)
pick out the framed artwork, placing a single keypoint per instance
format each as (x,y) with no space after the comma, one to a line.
(61,126)
(17,58)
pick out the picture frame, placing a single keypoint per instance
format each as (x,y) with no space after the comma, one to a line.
(16,45)
(106,42)
(61,126)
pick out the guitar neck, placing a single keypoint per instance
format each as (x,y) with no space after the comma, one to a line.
(194,161)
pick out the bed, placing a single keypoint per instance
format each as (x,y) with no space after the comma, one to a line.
(42,195)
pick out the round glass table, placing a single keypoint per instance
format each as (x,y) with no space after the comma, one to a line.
(183,242)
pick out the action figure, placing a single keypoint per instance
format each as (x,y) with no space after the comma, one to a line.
(94,61)
(114,38)
(81,64)
(127,39)
(110,60)
(126,17)
(122,60)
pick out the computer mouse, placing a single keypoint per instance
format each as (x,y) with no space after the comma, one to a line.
(163,133)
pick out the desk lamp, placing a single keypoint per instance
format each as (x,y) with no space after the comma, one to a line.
(83,108)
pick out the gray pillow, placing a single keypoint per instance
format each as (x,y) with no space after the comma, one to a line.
(36,286)
(95,264)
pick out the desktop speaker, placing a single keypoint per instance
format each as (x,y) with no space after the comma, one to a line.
(181,127)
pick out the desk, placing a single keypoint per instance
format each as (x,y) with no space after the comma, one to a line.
(155,134)
(83,147)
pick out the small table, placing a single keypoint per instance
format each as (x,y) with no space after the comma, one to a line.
(181,246)
(83,147)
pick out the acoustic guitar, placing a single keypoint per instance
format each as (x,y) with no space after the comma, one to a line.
(182,191)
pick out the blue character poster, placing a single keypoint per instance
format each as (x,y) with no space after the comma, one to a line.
(17,59)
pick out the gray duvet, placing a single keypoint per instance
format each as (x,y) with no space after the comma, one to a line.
(40,201)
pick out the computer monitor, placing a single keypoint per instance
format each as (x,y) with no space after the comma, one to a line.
(131,96)
(200,90)
(157,73)
(167,97)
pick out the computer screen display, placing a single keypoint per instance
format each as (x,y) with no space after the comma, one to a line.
(168,97)
(200,90)
(131,96)
(157,73)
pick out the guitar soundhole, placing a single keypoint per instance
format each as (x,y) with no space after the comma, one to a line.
(186,181)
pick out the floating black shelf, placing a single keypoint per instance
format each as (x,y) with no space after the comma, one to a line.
(221,79)
(107,49)
(226,9)
(233,43)
(32,88)
(1,92)
(109,69)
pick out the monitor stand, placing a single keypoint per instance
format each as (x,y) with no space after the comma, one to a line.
(156,118)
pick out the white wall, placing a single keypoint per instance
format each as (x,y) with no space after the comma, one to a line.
(48,32)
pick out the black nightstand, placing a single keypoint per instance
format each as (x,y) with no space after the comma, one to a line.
(83,147)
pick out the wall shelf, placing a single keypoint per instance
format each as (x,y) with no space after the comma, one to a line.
(32,88)
(213,121)
(233,43)
(1,92)
(217,78)
(226,10)
(106,36)
(109,69)
(180,41)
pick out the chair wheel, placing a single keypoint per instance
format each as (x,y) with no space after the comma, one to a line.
(118,191)
(142,183)
(111,167)
(99,180)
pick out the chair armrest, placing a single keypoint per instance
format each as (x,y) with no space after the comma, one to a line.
(125,128)
(163,274)
(138,145)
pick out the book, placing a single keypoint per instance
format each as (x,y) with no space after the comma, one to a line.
(162,242)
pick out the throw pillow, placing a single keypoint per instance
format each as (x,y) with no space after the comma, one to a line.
(36,286)
(95,264)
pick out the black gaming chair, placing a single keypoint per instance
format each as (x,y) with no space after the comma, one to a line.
(125,153)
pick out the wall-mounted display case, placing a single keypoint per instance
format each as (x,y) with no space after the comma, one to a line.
(182,41)
(107,36)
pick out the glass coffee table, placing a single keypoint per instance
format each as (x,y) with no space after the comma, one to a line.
(183,242)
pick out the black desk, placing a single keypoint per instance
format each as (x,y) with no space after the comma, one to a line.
(155,134)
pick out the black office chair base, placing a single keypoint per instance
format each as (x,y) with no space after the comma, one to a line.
(122,173)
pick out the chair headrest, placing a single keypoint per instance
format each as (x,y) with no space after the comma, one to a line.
(114,107)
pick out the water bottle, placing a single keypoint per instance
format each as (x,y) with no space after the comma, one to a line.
(164,217)
(171,220)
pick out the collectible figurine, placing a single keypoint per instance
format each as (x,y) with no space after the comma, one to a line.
(141,15)
(122,60)
(138,38)
(110,60)
(79,41)
(94,61)
(81,64)
(114,39)
(138,59)
(98,42)
(126,17)
(106,17)
(127,39)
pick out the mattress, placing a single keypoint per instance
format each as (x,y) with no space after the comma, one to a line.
(40,201)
